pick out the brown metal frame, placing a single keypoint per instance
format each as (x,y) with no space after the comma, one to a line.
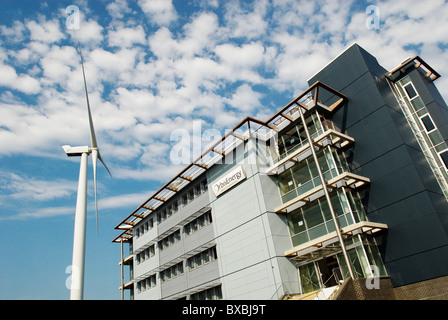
(272,123)
(419,62)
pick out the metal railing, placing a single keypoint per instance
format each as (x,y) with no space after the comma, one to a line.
(323,293)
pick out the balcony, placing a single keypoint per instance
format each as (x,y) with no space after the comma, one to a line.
(328,243)
(345,179)
(329,137)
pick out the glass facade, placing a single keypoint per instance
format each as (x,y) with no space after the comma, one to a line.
(314,219)
(304,176)
(294,137)
(365,261)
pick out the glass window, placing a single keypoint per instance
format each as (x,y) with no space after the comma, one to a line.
(300,238)
(190,195)
(309,278)
(313,214)
(427,122)
(296,222)
(325,210)
(198,260)
(444,157)
(313,168)
(374,256)
(405,81)
(356,205)
(418,104)
(191,263)
(301,173)
(206,256)
(175,206)
(280,146)
(197,190)
(204,185)
(435,137)
(286,182)
(194,225)
(187,229)
(291,138)
(324,162)
(302,134)
(337,205)
(410,91)
(312,128)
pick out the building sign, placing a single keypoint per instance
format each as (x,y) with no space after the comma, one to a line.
(228,180)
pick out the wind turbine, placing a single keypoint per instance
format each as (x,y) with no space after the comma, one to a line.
(79,241)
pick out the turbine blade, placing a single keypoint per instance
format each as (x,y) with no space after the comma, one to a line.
(93,143)
(104,163)
(94,158)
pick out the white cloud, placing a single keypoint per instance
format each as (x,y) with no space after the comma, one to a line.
(246,23)
(118,8)
(246,56)
(156,172)
(44,31)
(245,99)
(22,82)
(151,79)
(159,12)
(15,33)
(58,63)
(39,213)
(109,66)
(27,188)
(200,35)
(162,44)
(126,37)
(124,200)
(90,31)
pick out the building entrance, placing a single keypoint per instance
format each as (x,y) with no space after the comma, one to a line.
(329,271)
(323,273)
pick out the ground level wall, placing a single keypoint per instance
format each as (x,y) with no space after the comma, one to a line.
(434,289)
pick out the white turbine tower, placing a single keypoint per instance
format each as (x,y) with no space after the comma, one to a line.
(79,241)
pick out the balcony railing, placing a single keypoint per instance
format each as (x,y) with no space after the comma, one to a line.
(320,138)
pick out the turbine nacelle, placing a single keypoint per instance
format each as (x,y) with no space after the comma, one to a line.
(75,151)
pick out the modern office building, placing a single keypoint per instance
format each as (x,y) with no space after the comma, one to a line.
(343,186)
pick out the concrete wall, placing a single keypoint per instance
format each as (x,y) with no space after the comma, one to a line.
(250,238)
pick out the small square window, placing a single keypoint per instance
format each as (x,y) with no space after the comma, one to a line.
(427,122)
(444,156)
(410,91)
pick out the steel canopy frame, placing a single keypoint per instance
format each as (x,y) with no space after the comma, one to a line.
(187,175)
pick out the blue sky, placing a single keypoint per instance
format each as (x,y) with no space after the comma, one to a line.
(153,67)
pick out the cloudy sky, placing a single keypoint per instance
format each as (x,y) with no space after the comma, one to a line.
(154,67)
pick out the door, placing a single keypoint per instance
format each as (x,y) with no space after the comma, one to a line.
(327,266)
(309,277)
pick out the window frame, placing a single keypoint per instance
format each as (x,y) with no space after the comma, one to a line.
(406,92)
(423,124)
(441,159)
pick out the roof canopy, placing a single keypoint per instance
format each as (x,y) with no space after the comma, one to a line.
(318,95)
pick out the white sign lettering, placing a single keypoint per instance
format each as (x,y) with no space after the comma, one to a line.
(228,181)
